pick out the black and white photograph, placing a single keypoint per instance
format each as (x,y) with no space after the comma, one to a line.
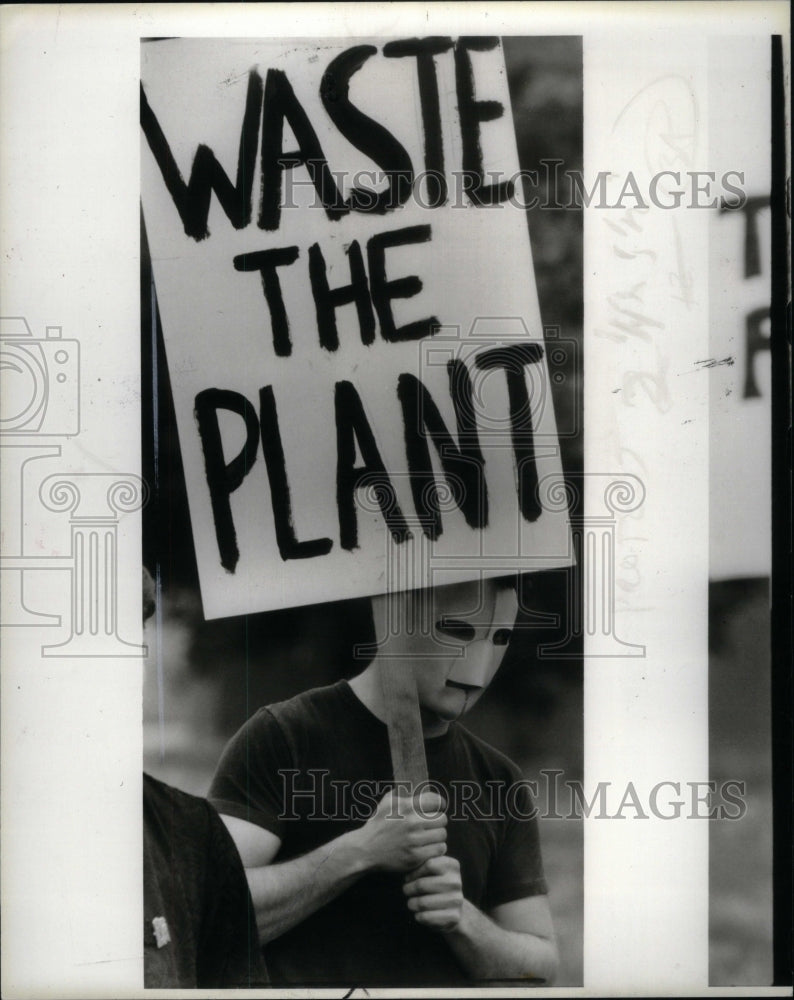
(312,729)
(396,521)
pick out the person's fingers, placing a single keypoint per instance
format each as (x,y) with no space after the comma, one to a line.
(434,866)
(430,821)
(394,805)
(434,901)
(439,919)
(434,884)
(429,804)
(423,854)
(417,886)
(446,880)
(421,838)
(427,810)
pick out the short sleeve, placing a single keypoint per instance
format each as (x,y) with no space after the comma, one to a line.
(229,954)
(199,927)
(517,869)
(248,782)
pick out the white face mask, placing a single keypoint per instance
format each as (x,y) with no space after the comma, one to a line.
(455,644)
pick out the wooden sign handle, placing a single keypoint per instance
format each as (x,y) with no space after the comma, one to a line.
(404,721)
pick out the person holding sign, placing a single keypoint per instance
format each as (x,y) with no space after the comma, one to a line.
(359,374)
(356,881)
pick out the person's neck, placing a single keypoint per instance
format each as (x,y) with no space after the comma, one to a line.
(366,687)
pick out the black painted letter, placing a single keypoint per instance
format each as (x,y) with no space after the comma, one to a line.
(472,112)
(424,49)
(463,465)
(206,174)
(224,478)
(280,104)
(384,291)
(327,300)
(513,359)
(352,426)
(755,340)
(266,262)
(366,135)
(288,545)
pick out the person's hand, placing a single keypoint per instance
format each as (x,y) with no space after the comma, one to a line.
(403,833)
(435,893)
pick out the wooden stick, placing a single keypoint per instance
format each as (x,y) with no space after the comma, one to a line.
(404,721)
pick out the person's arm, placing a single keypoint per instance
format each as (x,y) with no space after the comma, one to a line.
(515,941)
(227,955)
(398,837)
(285,894)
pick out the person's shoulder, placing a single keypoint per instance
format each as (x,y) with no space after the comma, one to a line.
(485,756)
(316,704)
(172,813)
(298,708)
(278,730)
(159,795)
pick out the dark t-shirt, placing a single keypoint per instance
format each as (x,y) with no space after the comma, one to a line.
(312,768)
(198,921)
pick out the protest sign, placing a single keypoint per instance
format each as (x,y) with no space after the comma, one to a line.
(740,268)
(347,298)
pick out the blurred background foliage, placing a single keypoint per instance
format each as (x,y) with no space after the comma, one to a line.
(205,678)
(740,749)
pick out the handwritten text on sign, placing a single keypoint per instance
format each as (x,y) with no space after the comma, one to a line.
(349,310)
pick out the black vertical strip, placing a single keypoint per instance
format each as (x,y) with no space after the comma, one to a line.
(167,538)
(150,422)
(782,787)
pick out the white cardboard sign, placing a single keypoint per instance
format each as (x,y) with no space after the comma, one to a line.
(347,297)
(740,405)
